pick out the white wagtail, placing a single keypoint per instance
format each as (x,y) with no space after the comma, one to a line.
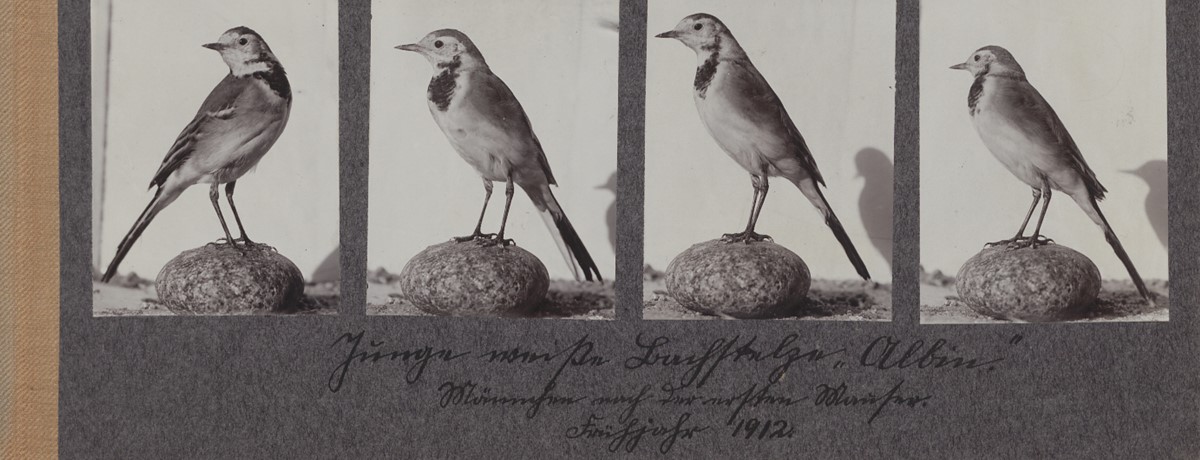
(235,126)
(749,122)
(487,126)
(1022,131)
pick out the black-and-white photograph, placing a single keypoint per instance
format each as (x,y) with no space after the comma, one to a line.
(493,159)
(1043,161)
(215,157)
(736,115)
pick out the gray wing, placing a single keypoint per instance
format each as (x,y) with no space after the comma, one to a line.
(219,105)
(759,103)
(502,107)
(1035,116)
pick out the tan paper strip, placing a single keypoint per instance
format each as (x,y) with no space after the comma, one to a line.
(29,229)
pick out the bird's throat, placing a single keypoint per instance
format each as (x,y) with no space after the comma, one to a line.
(441,87)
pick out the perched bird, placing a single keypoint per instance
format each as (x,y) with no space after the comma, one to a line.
(749,122)
(488,127)
(1022,131)
(235,126)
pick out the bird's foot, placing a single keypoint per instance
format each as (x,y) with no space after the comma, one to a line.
(223,242)
(745,237)
(1005,242)
(246,243)
(473,237)
(1030,242)
(494,240)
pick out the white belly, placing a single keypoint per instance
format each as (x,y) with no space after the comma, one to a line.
(742,140)
(1016,151)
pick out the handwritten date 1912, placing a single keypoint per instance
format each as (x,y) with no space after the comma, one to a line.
(755,429)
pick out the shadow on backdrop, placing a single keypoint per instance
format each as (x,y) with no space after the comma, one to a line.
(610,216)
(1154,173)
(330,269)
(875,201)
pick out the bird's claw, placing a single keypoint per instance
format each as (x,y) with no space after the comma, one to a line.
(1031,242)
(494,240)
(745,237)
(473,237)
(1022,242)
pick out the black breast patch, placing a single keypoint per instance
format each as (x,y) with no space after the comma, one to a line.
(705,74)
(973,96)
(276,78)
(441,87)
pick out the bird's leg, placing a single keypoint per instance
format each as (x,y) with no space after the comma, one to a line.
(508,195)
(478,233)
(760,196)
(236,217)
(1037,196)
(1037,239)
(212,196)
(749,219)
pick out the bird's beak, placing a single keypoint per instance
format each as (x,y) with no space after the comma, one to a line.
(962,66)
(668,34)
(410,47)
(214,46)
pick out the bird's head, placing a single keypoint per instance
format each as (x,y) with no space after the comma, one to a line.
(990,60)
(244,51)
(700,32)
(446,46)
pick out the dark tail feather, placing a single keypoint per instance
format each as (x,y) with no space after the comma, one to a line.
(578,250)
(126,243)
(839,232)
(1111,236)
(564,233)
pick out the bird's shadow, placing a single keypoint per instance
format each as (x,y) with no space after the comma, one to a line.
(1154,174)
(610,216)
(875,201)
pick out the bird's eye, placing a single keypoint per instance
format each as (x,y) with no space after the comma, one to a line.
(698,26)
(976,58)
(437,44)
(242,41)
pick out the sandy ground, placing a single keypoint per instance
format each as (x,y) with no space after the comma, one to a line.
(565,300)
(1119,301)
(832,300)
(136,297)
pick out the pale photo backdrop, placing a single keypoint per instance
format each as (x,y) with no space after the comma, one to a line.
(560,60)
(1102,66)
(833,66)
(158,75)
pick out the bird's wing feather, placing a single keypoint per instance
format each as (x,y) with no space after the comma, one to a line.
(500,107)
(219,105)
(1036,117)
(758,102)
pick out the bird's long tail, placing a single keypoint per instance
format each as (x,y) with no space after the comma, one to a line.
(1092,209)
(162,198)
(811,190)
(569,243)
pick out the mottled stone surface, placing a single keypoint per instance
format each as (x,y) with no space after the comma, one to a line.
(1046,283)
(469,279)
(740,280)
(219,279)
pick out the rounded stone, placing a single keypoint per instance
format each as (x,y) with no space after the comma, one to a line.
(1030,284)
(470,279)
(219,279)
(755,280)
